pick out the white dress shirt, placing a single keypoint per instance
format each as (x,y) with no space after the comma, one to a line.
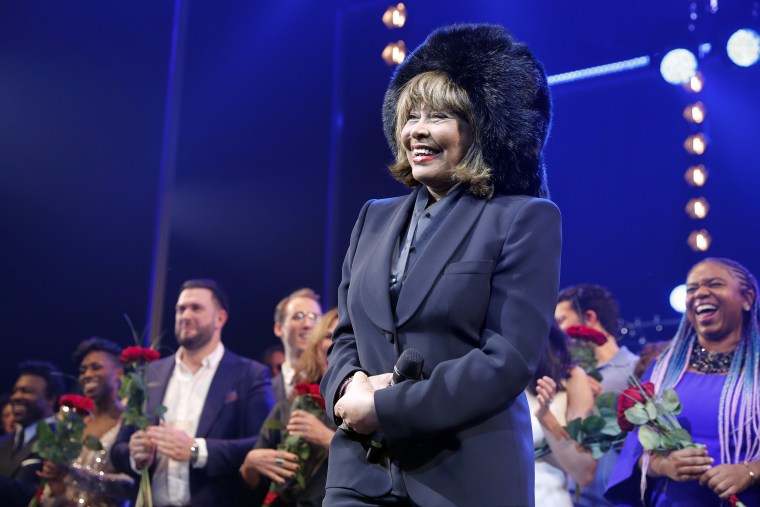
(184,399)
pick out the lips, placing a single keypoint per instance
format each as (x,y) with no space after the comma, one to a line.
(422,153)
(705,312)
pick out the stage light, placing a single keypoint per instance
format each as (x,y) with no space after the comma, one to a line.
(678,298)
(599,70)
(696,175)
(394,53)
(743,47)
(695,144)
(678,66)
(395,16)
(695,113)
(697,208)
(699,241)
(696,83)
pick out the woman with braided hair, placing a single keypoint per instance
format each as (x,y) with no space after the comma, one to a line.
(713,363)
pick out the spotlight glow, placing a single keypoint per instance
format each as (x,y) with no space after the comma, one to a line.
(697,208)
(743,47)
(695,144)
(699,241)
(695,113)
(678,298)
(395,16)
(696,175)
(394,53)
(678,66)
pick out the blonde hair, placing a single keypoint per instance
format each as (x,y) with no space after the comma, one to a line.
(437,91)
(312,364)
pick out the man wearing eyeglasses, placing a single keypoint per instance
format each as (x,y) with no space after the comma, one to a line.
(294,318)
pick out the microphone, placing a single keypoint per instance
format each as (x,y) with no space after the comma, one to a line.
(408,367)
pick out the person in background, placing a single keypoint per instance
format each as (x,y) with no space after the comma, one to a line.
(594,306)
(91,479)
(268,461)
(215,404)
(33,399)
(294,318)
(8,426)
(559,392)
(713,364)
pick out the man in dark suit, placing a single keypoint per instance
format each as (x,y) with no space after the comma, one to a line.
(215,404)
(33,399)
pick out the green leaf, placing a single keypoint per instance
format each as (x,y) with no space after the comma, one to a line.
(611,428)
(681,438)
(649,438)
(92,443)
(274,424)
(651,410)
(574,428)
(593,424)
(160,411)
(607,400)
(670,401)
(596,451)
(637,414)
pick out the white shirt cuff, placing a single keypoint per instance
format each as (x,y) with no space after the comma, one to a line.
(202,453)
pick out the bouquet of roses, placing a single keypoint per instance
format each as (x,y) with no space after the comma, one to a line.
(655,416)
(600,431)
(583,340)
(61,441)
(308,398)
(134,389)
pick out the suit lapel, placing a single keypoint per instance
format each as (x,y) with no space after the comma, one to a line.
(221,391)
(158,379)
(375,293)
(442,245)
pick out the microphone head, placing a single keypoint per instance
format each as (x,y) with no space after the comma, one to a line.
(408,366)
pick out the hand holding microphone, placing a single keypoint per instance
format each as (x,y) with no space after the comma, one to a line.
(408,367)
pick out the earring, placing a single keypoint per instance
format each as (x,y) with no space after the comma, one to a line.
(746,307)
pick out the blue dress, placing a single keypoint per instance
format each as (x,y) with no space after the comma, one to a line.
(700,397)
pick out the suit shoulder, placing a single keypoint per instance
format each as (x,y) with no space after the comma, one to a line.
(237,361)
(521,203)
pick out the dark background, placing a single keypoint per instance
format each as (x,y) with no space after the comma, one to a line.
(279,143)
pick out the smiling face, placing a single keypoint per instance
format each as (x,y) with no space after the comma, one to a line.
(299,318)
(435,141)
(198,318)
(715,302)
(30,400)
(99,375)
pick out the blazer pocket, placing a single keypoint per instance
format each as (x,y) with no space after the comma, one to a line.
(469,268)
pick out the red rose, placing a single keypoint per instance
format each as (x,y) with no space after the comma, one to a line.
(138,354)
(76,402)
(310,390)
(270,498)
(586,334)
(628,398)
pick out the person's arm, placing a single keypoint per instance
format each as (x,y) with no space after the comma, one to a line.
(342,357)
(523,294)
(566,453)
(226,455)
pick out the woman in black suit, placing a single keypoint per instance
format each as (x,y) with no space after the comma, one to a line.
(465,269)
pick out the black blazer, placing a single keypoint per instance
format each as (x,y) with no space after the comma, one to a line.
(478,303)
(18,479)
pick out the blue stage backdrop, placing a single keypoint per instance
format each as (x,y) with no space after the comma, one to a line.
(279,143)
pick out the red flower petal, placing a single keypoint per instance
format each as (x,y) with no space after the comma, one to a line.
(76,402)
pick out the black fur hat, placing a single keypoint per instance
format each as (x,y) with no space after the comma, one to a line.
(508,90)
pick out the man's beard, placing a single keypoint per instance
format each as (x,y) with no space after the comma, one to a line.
(196,341)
